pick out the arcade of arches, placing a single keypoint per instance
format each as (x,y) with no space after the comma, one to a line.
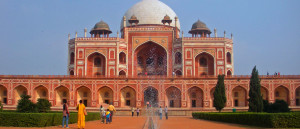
(156,92)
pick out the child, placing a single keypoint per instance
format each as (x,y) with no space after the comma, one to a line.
(103,114)
(107,116)
(137,112)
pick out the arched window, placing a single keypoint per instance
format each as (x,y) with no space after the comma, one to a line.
(178,73)
(228,55)
(149,61)
(140,60)
(71,72)
(229,73)
(160,61)
(122,73)
(277,94)
(106,94)
(97,62)
(178,58)
(127,95)
(236,94)
(203,62)
(72,58)
(122,58)
(193,95)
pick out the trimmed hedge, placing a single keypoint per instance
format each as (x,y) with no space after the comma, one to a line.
(271,120)
(13,119)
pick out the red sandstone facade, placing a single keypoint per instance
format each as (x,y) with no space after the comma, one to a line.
(148,63)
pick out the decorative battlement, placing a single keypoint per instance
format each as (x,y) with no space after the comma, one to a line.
(150,29)
(204,38)
(96,39)
(144,77)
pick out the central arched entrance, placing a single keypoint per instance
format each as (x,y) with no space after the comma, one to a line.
(150,59)
(96,64)
(151,97)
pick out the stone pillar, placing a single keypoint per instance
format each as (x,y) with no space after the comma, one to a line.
(215,30)
(85,30)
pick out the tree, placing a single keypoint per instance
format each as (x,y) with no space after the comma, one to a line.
(1,107)
(25,105)
(255,97)
(43,105)
(219,94)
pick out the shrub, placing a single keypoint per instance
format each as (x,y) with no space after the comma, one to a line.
(25,105)
(272,120)
(278,106)
(43,105)
(14,119)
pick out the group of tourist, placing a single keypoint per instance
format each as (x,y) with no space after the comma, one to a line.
(105,115)
(160,111)
(133,110)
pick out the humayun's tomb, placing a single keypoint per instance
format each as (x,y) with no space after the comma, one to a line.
(150,60)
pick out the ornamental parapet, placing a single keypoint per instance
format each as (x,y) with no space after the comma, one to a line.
(150,29)
(144,77)
(205,38)
(96,39)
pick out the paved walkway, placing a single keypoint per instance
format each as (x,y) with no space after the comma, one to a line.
(138,123)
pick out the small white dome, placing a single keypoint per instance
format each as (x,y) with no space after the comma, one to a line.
(150,12)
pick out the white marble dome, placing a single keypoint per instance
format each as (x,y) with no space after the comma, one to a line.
(150,12)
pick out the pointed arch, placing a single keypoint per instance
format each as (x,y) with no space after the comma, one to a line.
(62,94)
(72,58)
(239,96)
(195,97)
(264,93)
(178,58)
(96,64)
(122,73)
(282,93)
(40,92)
(228,58)
(122,58)
(297,96)
(84,93)
(204,64)
(128,97)
(18,92)
(150,58)
(173,97)
(3,94)
(150,96)
(105,95)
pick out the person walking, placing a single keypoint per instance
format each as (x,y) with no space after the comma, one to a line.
(81,115)
(102,111)
(166,112)
(160,112)
(137,112)
(132,111)
(111,110)
(108,116)
(66,114)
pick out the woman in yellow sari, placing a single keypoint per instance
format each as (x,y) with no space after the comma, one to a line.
(81,115)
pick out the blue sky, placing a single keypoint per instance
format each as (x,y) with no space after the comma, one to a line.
(33,34)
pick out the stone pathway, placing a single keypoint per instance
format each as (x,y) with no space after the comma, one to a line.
(138,123)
